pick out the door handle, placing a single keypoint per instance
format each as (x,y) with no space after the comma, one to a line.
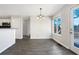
(71,32)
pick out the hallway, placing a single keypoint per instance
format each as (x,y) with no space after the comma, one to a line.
(37,47)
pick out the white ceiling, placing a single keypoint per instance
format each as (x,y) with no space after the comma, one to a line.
(29,9)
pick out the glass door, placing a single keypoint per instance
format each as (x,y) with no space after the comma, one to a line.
(75,29)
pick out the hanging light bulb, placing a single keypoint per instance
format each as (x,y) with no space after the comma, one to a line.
(37,17)
(40,16)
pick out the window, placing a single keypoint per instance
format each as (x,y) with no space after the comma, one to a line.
(57,25)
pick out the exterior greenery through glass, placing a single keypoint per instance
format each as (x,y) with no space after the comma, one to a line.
(57,25)
(76,26)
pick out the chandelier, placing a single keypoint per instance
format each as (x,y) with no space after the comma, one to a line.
(40,16)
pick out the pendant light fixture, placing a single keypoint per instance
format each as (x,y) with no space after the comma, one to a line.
(40,16)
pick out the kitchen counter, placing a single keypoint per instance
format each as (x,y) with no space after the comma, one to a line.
(7,38)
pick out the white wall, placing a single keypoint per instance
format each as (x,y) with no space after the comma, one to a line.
(17,23)
(65,30)
(40,29)
(26,26)
(65,38)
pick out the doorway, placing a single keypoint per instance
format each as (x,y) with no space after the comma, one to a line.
(26,28)
(75,29)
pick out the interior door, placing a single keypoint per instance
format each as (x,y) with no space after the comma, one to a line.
(75,29)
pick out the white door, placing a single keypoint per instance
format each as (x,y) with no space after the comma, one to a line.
(75,29)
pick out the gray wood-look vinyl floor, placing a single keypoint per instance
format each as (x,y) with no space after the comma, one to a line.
(37,47)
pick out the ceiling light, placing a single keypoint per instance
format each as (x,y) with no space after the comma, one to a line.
(40,16)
